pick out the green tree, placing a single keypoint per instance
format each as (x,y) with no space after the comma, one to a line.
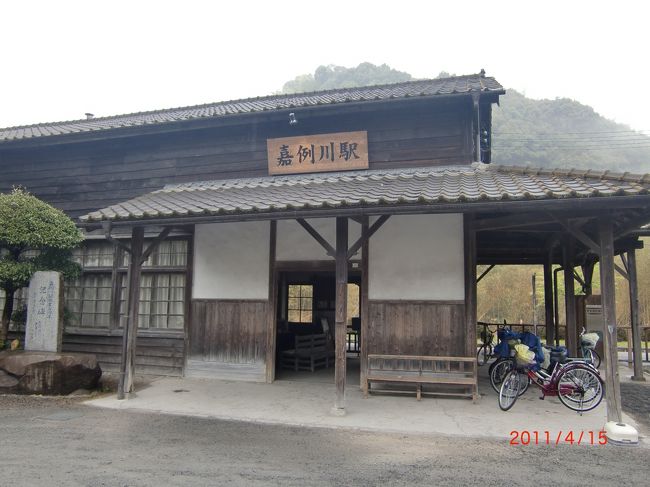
(332,77)
(33,236)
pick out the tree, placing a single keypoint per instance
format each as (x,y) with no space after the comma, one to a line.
(331,77)
(34,236)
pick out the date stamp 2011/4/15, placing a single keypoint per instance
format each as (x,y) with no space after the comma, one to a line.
(533,437)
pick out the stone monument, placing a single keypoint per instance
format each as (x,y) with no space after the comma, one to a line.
(44,328)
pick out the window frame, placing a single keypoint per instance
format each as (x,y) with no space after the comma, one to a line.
(300,298)
(119,272)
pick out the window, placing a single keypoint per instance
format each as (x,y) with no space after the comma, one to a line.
(162,300)
(89,299)
(301,303)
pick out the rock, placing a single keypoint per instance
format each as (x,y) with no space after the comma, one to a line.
(8,383)
(51,373)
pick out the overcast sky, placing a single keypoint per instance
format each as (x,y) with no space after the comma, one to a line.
(61,58)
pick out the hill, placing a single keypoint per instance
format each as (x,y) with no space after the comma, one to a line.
(547,133)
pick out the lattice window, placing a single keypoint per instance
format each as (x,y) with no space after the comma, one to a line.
(162,300)
(88,301)
(300,304)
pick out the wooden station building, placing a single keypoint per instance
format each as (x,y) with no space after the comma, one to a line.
(220,232)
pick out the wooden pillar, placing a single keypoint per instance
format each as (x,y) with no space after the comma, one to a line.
(130,328)
(608,290)
(340,326)
(470,285)
(548,300)
(365,305)
(569,296)
(634,315)
(271,311)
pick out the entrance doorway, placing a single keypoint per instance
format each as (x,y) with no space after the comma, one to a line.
(305,326)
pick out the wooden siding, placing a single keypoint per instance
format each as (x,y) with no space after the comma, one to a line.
(417,328)
(82,177)
(228,339)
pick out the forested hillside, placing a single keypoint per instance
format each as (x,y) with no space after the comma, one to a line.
(547,133)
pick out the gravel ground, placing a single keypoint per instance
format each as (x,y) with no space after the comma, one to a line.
(59,441)
(635,397)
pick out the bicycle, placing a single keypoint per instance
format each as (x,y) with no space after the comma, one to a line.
(577,384)
(485,350)
(587,347)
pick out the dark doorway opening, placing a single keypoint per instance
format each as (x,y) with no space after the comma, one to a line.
(305,325)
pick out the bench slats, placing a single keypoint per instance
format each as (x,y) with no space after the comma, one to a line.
(423,369)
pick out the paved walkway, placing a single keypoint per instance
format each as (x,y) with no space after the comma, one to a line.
(306,400)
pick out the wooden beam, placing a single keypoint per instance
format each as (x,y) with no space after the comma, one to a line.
(107,227)
(469,234)
(485,273)
(622,272)
(154,243)
(512,221)
(127,365)
(569,296)
(588,272)
(341,303)
(578,234)
(548,301)
(365,307)
(317,236)
(365,236)
(608,292)
(271,310)
(556,307)
(634,316)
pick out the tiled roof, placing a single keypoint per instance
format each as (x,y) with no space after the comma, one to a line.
(424,88)
(372,188)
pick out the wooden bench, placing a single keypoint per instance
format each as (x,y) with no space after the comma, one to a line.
(310,352)
(419,370)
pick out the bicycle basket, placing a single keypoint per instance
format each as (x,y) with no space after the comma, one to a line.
(524,356)
(589,340)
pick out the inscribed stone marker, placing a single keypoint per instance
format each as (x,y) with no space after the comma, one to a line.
(44,328)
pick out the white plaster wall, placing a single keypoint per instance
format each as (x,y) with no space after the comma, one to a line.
(231,261)
(294,243)
(418,257)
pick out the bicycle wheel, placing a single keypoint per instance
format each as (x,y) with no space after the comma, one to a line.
(483,355)
(500,371)
(580,388)
(509,391)
(595,358)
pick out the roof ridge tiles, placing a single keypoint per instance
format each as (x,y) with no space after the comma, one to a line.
(424,87)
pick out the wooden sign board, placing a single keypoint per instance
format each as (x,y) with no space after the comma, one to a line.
(342,151)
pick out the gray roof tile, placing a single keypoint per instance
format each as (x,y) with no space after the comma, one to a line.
(422,88)
(452,184)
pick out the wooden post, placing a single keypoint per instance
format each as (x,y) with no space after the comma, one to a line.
(130,329)
(365,305)
(634,315)
(569,296)
(271,310)
(470,285)
(548,300)
(340,326)
(608,289)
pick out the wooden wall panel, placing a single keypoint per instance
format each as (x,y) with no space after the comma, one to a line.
(417,328)
(85,176)
(228,339)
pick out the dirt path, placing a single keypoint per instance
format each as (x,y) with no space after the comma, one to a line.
(62,442)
